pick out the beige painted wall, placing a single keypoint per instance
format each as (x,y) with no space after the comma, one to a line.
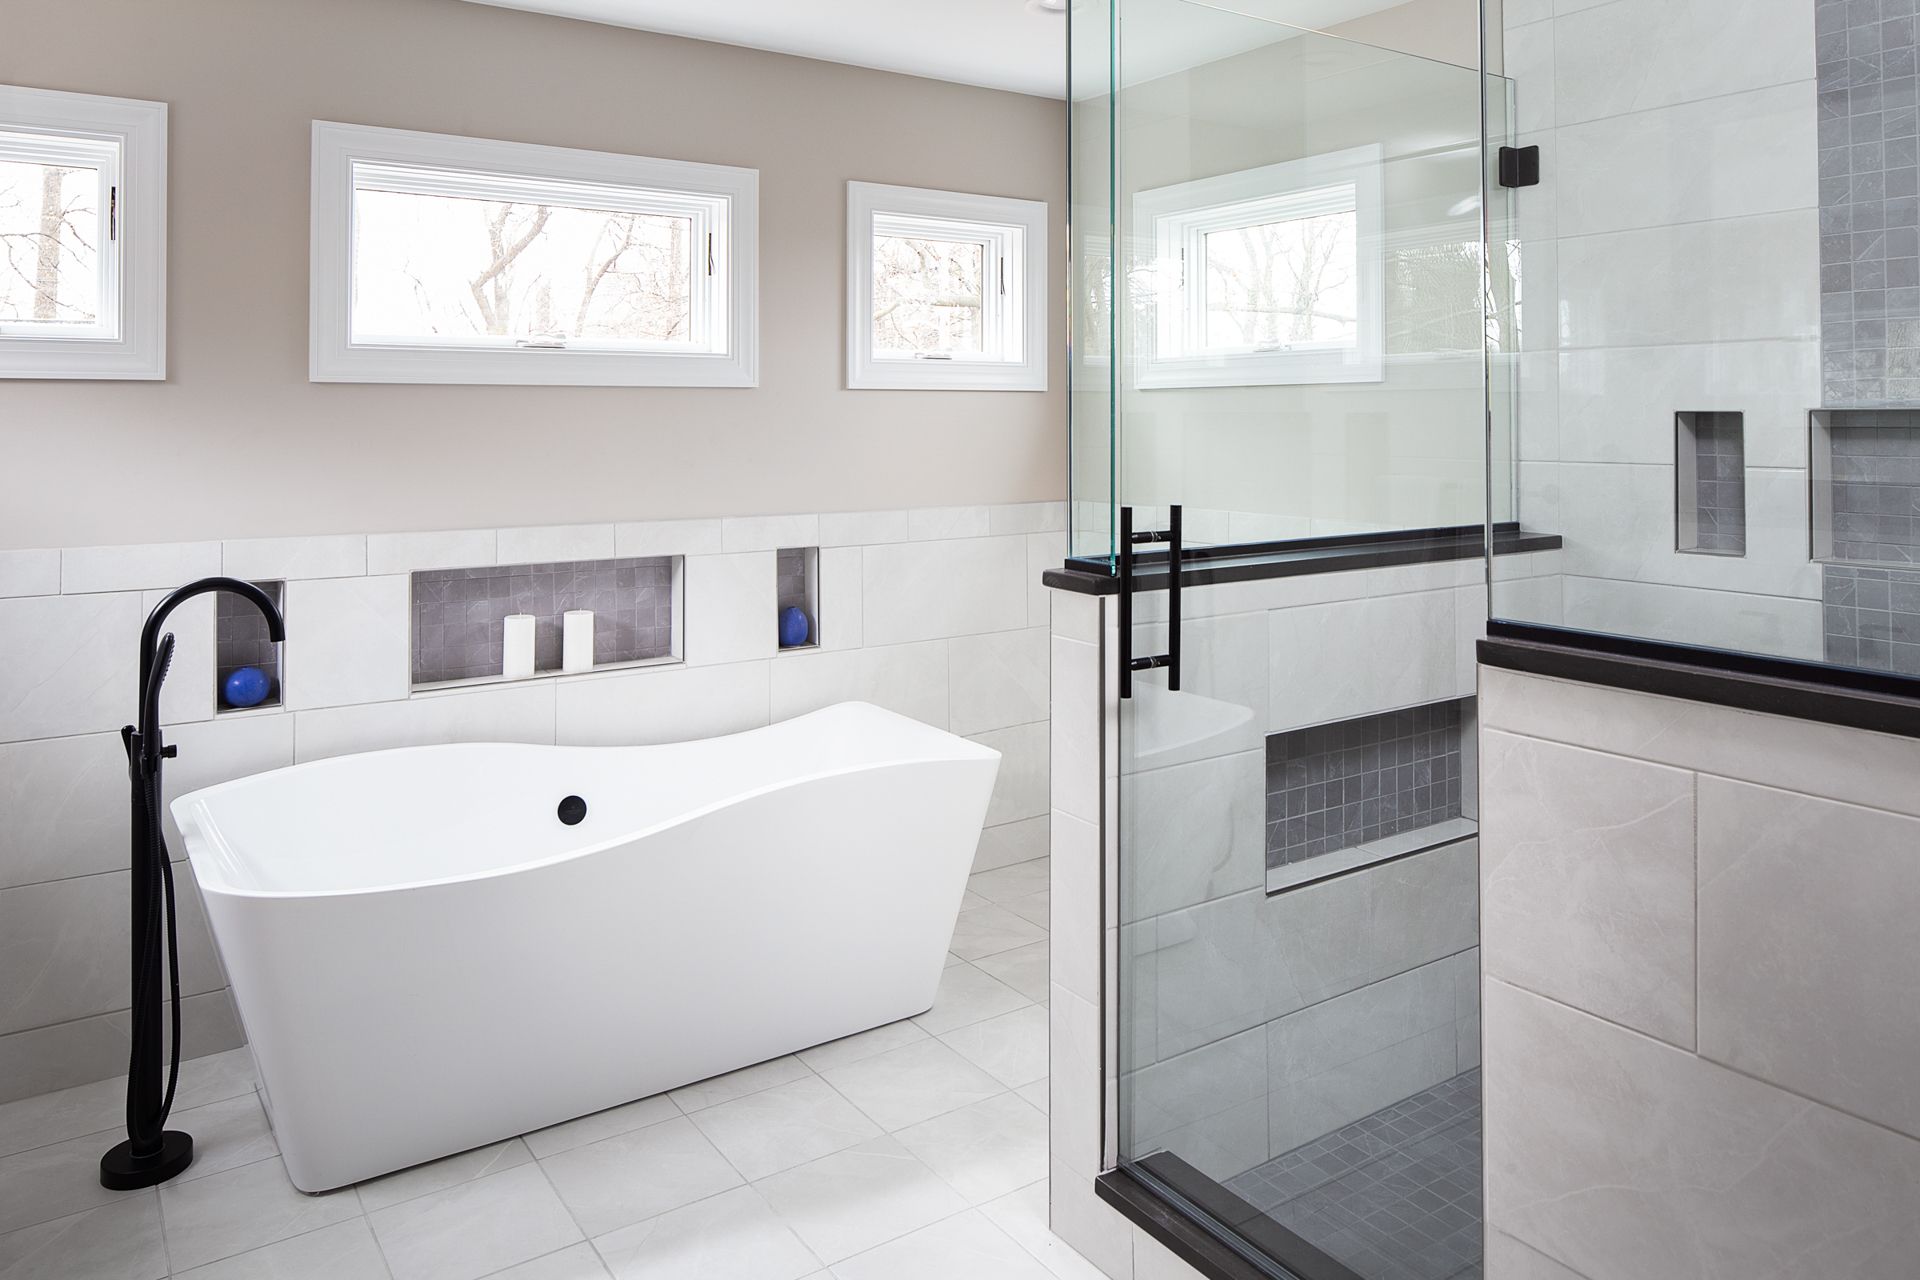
(84,463)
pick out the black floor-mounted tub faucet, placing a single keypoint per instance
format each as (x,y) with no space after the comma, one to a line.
(153,1153)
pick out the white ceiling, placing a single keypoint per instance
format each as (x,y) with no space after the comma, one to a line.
(1000,44)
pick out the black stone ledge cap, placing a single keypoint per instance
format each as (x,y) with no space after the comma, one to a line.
(1876,701)
(1251,562)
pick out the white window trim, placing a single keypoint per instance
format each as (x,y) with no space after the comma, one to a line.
(1170,219)
(1026,291)
(138,250)
(334,357)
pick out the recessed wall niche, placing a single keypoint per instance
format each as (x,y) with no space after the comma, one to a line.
(1710,483)
(459,615)
(797,578)
(1866,485)
(241,640)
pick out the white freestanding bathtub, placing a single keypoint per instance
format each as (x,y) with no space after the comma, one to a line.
(427,958)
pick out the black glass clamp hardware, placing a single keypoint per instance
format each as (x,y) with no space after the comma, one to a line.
(1170,660)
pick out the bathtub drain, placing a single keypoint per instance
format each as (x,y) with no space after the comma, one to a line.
(572,810)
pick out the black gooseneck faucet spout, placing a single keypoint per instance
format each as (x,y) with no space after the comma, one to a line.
(152,1153)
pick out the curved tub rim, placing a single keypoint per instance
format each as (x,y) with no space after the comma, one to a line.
(188,809)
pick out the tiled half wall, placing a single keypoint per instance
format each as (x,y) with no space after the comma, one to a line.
(936,613)
(459,614)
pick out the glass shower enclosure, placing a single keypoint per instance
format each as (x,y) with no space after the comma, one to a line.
(1280,311)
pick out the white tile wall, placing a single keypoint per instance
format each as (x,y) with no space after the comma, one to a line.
(1613,1147)
(956,645)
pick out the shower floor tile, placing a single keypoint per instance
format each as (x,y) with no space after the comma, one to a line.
(910,1146)
(1394,1195)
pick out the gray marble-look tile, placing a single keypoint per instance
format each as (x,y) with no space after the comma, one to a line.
(215,1217)
(850,1201)
(475,1228)
(119,1241)
(343,1251)
(1587,881)
(621,1180)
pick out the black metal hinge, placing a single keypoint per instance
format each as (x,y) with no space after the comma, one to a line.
(1520,166)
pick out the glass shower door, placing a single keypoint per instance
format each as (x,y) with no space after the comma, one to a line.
(1294,360)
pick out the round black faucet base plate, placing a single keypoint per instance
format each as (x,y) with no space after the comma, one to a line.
(120,1171)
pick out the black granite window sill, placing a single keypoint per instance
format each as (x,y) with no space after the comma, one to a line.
(1251,562)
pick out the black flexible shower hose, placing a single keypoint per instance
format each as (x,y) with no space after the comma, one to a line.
(157,911)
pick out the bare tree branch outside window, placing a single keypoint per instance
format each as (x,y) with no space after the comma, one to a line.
(49,243)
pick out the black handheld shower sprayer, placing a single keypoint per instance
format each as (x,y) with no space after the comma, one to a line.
(152,1153)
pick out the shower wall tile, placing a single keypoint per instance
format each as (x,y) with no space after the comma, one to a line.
(134,568)
(1587,877)
(730,617)
(1738,279)
(1623,172)
(768,533)
(53,823)
(917,590)
(1606,65)
(667,538)
(71,664)
(1586,1124)
(663,704)
(505,713)
(412,552)
(332,556)
(352,644)
(1808,947)
(539,544)
(840,624)
(1871,618)
(29,573)
(1617,403)
(998,679)
(58,940)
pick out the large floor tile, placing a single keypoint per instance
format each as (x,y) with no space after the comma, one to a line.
(738,1084)
(989,930)
(917,1082)
(54,1182)
(1011,1048)
(1023,1215)
(983,1151)
(343,1251)
(731,1236)
(601,1124)
(48,1118)
(865,1044)
(1024,969)
(1009,884)
(215,1217)
(967,994)
(964,1247)
(476,1228)
(575,1262)
(622,1180)
(226,1135)
(439,1175)
(114,1242)
(788,1125)
(853,1200)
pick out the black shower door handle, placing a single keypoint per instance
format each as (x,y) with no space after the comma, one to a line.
(1170,660)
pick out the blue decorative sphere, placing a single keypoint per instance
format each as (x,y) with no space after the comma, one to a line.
(247,687)
(794,627)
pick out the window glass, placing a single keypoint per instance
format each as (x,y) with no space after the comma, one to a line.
(1284,284)
(929,297)
(455,269)
(52,219)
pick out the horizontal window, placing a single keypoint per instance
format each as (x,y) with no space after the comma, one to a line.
(945,290)
(445,259)
(82,236)
(1266,276)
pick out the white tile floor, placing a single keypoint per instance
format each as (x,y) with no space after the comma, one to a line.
(914,1150)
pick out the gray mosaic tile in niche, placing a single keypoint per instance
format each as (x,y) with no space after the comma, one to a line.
(1339,785)
(458,614)
(1874,473)
(1869,140)
(241,640)
(1714,513)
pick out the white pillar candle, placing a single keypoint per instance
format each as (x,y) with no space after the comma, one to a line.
(576,640)
(516,654)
